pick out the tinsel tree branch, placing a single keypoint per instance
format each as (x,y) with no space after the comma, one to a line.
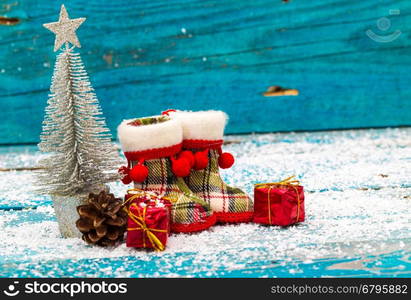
(74,133)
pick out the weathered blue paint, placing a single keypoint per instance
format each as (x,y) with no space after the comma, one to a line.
(386,264)
(141,62)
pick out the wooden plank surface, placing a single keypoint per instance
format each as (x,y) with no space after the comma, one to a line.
(148,56)
(357,200)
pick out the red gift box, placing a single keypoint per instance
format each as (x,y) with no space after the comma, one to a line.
(279,203)
(147,226)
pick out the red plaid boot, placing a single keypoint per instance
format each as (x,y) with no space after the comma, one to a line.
(203,136)
(152,147)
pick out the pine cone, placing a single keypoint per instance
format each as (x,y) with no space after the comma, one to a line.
(102,221)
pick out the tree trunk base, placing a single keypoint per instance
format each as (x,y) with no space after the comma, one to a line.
(65,208)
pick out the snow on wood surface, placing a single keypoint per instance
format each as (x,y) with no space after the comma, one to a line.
(358,203)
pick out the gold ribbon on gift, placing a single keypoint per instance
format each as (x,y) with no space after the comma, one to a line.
(140,220)
(288,182)
(137,193)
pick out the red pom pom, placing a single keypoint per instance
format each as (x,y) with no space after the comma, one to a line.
(126,179)
(124,172)
(139,173)
(189,156)
(226,160)
(181,167)
(201,160)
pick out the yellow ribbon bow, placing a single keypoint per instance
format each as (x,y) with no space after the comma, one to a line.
(288,182)
(140,220)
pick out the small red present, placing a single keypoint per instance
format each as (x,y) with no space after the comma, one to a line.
(147,226)
(279,203)
(149,198)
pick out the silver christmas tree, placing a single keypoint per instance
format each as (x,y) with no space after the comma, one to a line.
(74,131)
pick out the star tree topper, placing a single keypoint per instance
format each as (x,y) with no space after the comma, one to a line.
(65,29)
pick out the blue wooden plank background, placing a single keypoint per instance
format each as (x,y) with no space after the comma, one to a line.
(148,56)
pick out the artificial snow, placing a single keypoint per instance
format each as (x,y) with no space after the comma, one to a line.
(358,203)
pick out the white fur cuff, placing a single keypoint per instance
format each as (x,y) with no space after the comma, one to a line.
(145,137)
(201,125)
